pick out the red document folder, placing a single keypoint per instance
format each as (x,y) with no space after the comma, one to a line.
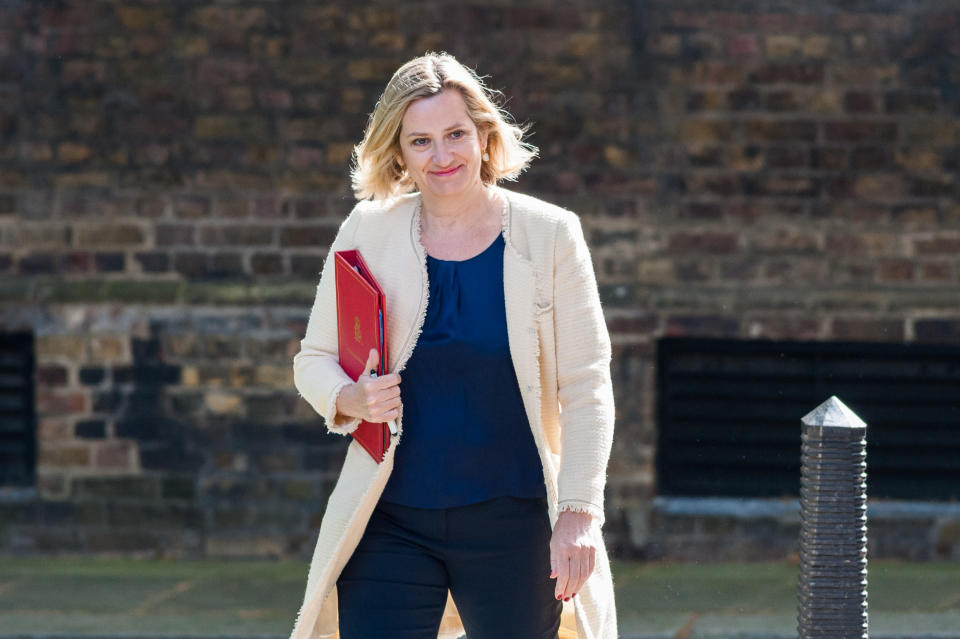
(361,325)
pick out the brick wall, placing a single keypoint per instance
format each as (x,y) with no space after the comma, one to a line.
(172,173)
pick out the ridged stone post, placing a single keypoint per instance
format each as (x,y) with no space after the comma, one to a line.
(833,531)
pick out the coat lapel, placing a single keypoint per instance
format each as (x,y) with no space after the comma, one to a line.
(520,295)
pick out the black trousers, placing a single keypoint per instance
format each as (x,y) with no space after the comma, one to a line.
(493,556)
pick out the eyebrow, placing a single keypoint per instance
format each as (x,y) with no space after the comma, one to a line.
(458,125)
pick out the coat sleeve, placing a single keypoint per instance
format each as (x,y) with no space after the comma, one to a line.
(317,373)
(585,390)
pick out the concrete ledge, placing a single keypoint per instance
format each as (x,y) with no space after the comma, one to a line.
(786,508)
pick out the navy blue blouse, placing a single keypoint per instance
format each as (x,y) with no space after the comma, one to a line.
(466,437)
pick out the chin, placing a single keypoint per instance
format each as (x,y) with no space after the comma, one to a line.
(448,188)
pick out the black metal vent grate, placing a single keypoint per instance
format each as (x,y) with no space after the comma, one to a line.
(729,414)
(17,416)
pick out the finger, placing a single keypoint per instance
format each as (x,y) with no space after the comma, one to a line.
(574,580)
(584,572)
(553,567)
(563,576)
(373,358)
(385,410)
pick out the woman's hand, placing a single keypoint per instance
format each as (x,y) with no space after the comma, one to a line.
(375,399)
(573,552)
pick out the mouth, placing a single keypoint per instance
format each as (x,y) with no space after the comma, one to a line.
(446,173)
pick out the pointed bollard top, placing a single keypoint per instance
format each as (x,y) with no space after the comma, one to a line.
(832,414)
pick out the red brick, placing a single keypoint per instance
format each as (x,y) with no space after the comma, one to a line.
(234,208)
(780,130)
(742,45)
(703,241)
(712,184)
(786,240)
(266,264)
(191,207)
(702,326)
(860,131)
(916,216)
(702,211)
(828,158)
(879,187)
(870,22)
(53,402)
(152,207)
(936,271)
(709,20)
(870,158)
(792,185)
(918,159)
(60,456)
(796,269)
(228,19)
(744,99)
(110,235)
(115,455)
(911,102)
(783,327)
(236,235)
(714,72)
(859,102)
(267,207)
(808,72)
(895,270)
(788,22)
(54,429)
(932,186)
(174,234)
(641,323)
(782,101)
(937,245)
(193,264)
(863,329)
(51,375)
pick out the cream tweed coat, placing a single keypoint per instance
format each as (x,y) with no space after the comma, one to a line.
(561,355)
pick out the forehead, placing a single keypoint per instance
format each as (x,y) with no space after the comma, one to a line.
(435,112)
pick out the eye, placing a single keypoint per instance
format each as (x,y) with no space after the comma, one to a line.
(419,141)
(459,133)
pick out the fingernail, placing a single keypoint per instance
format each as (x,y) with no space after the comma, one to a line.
(567,599)
(558,597)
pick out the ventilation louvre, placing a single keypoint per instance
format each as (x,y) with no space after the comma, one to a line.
(729,414)
(17,416)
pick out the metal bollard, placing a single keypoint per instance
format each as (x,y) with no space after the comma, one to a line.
(833,532)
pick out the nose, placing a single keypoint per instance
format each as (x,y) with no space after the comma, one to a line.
(441,154)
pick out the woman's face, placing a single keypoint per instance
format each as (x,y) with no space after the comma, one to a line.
(440,146)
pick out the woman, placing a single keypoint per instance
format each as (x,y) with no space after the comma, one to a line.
(485,514)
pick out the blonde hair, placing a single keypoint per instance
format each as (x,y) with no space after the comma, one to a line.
(376,172)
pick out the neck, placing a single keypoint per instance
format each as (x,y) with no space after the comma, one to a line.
(455,214)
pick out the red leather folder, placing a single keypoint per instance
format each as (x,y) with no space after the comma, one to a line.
(361,325)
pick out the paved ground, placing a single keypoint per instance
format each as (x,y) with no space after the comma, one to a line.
(128,598)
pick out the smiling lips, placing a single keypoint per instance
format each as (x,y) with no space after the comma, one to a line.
(446,173)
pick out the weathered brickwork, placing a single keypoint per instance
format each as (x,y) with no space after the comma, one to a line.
(172,173)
